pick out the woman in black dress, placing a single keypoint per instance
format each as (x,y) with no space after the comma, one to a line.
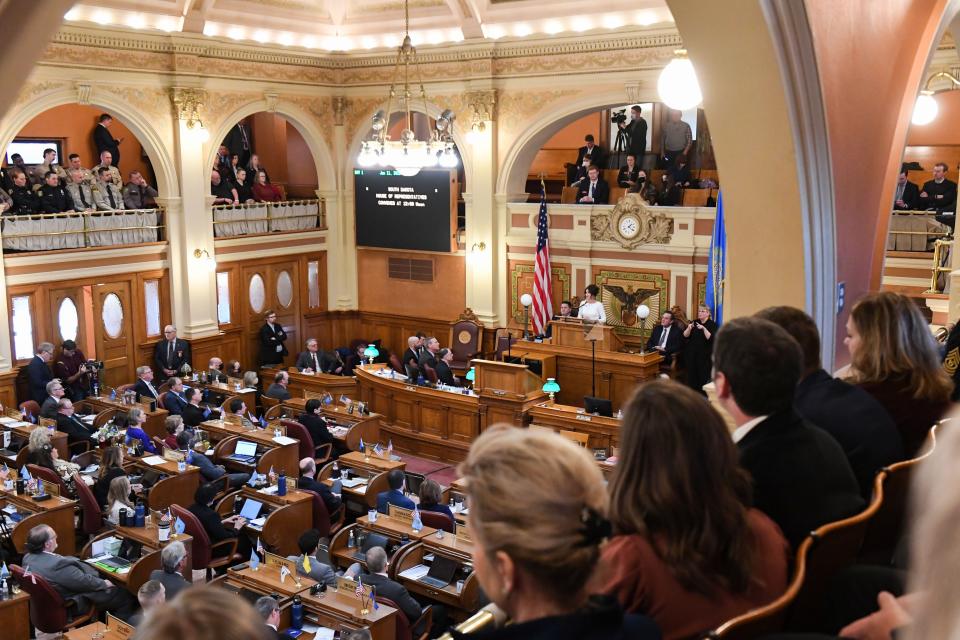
(699,350)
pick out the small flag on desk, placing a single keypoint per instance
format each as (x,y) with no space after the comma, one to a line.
(327,398)
(254,477)
(28,574)
(270,474)
(263,422)
(259,546)
(344,399)
(4,572)
(363,449)
(359,589)
(373,596)
(254,559)
(206,413)
(25,473)
(378,450)
(390,447)
(417,523)
(284,572)
(179,526)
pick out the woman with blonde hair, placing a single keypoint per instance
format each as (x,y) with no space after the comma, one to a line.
(537,517)
(894,358)
(40,451)
(118,497)
(698,352)
(688,550)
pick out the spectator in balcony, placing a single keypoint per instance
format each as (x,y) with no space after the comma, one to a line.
(223,190)
(253,168)
(939,193)
(636,130)
(74,164)
(25,201)
(6,202)
(676,139)
(221,163)
(907,195)
(263,191)
(234,167)
(80,192)
(593,190)
(590,149)
(680,172)
(106,161)
(49,164)
(670,194)
(53,197)
(107,196)
(244,192)
(105,142)
(138,194)
(629,173)
(7,174)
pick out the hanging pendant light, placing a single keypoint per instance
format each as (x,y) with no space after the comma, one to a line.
(677,86)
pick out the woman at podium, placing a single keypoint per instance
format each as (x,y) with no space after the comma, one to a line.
(591,309)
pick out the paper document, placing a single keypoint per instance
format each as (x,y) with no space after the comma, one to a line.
(415,572)
(353,482)
(152,460)
(259,522)
(7,420)
(99,547)
(285,440)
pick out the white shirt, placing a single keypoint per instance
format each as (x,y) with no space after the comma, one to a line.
(741,432)
(663,337)
(592,311)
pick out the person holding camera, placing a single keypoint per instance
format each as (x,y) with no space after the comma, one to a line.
(74,371)
(698,353)
(636,131)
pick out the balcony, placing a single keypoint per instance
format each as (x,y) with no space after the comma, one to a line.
(263,218)
(80,230)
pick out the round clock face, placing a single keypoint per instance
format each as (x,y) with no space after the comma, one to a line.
(628,226)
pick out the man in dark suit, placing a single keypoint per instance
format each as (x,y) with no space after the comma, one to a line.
(596,154)
(71,577)
(330,362)
(171,354)
(51,405)
(173,561)
(410,356)
(395,496)
(939,193)
(429,355)
(593,190)
(636,130)
(566,311)
(150,595)
(316,424)
(665,338)
(907,195)
(444,373)
(69,424)
(38,372)
(272,337)
(208,470)
(801,477)
(376,577)
(308,481)
(309,359)
(269,610)
(238,142)
(174,400)
(104,140)
(278,389)
(861,425)
(144,385)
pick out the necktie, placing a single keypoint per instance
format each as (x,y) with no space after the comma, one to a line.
(316,366)
(591,188)
(82,199)
(663,338)
(169,353)
(113,203)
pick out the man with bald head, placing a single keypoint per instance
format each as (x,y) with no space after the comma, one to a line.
(222,190)
(80,191)
(106,160)
(170,354)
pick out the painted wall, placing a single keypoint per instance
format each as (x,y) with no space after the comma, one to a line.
(442,299)
(943,130)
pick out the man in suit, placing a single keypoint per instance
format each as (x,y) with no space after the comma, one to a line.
(939,193)
(107,196)
(312,418)
(395,496)
(144,385)
(376,576)
(51,405)
(309,361)
(150,595)
(174,400)
(566,311)
(854,418)
(71,577)
(665,338)
(171,353)
(590,148)
(636,130)
(314,558)
(103,140)
(444,373)
(272,336)
(429,355)
(173,561)
(238,408)
(307,480)
(330,362)
(238,142)
(907,195)
(214,370)
(593,190)
(278,389)
(209,471)
(801,477)
(38,372)
(269,610)
(410,356)
(69,424)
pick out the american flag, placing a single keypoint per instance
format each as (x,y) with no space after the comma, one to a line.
(542,290)
(359,590)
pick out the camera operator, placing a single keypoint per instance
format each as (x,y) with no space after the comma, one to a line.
(72,368)
(636,130)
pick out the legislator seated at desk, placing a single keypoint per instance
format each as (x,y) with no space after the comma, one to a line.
(175,400)
(278,390)
(312,418)
(308,481)
(376,576)
(69,424)
(55,391)
(146,392)
(213,524)
(193,413)
(173,563)
(314,558)
(395,495)
(666,338)
(566,311)
(210,472)
(309,361)
(444,374)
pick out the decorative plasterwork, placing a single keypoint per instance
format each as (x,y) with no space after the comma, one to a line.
(654,228)
(34,89)
(341,105)
(189,103)
(83,92)
(483,104)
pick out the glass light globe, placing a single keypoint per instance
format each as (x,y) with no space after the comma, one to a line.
(925,109)
(408,171)
(473,136)
(678,87)
(643,312)
(202,134)
(448,160)
(526,299)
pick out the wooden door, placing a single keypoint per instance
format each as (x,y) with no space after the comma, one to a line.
(273,286)
(66,311)
(113,332)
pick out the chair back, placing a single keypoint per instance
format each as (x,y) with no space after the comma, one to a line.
(376,485)
(396,365)
(126,387)
(201,541)
(91,515)
(579,439)
(160,398)
(403,630)
(466,332)
(300,432)
(568,195)
(106,416)
(321,517)
(502,343)
(31,407)
(268,402)
(225,447)
(431,373)
(48,609)
(50,476)
(273,412)
(437,520)
(159,444)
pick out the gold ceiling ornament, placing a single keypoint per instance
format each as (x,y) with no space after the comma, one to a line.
(408,154)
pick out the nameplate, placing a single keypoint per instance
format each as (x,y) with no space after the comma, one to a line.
(47,422)
(273,560)
(235,383)
(311,395)
(409,387)
(172,455)
(348,587)
(234,420)
(400,514)
(117,626)
(50,488)
(274,427)
(13,413)
(291,484)
(463,533)
(497,392)
(584,418)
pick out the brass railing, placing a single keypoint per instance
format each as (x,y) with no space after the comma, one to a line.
(79,230)
(914,227)
(941,265)
(256,218)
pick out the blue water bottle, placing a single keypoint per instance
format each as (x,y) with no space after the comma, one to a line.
(139,519)
(282,483)
(296,613)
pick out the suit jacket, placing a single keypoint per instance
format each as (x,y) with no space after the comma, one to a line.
(329,362)
(305,361)
(212,523)
(172,583)
(597,156)
(317,428)
(319,570)
(409,355)
(387,588)
(38,375)
(277,391)
(444,374)
(427,358)
(601,193)
(175,360)
(70,576)
(174,403)
(674,341)
(801,477)
(331,501)
(865,431)
(75,429)
(104,141)
(394,497)
(270,339)
(145,391)
(637,130)
(910,197)
(192,415)
(49,408)
(208,470)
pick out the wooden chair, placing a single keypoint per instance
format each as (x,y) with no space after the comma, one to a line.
(50,476)
(203,552)
(323,521)
(430,372)
(91,515)
(568,195)
(466,335)
(274,412)
(49,611)
(579,439)
(307,449)
(225,447)
(159,444)
(616,193)
(126,387)
(225,405)
(376,485)
(438,520)
(106,416)
(396,365)
(695,197)
(268,402)
(404,629)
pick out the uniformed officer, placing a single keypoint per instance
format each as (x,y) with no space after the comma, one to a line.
(105,163)
(53,197)
(107,196)
(49,164)
(75,163)
(80,192)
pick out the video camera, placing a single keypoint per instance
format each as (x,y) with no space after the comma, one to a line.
(94,364)
(618,117)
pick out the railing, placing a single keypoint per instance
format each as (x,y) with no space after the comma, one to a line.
(267,217)
(913,230)
(78,230)
(941,265)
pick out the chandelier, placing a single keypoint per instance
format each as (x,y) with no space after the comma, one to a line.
(408,154)
(677,85)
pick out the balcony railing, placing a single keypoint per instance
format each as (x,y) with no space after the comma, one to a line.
(267,217)
(79,230)
(914,230)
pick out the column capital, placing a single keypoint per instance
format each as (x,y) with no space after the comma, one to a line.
(188,102)
(483,104)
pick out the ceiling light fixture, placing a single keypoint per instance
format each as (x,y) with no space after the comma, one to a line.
(925,109)
(408,155)
(677,86)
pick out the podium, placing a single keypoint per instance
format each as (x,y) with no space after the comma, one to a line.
(507,392)
(574,333)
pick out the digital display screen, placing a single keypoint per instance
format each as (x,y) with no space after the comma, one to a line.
(394,211)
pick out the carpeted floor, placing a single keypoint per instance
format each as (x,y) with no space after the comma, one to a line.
(441,472)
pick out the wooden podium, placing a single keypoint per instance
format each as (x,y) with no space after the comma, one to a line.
(507,392)
(574,333)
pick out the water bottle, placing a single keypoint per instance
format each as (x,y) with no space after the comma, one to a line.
(296,613)
(181,465)
(351,541)
(335,471)
(282,483)
(96,389)
(139,516)
(237,504)
(3,589)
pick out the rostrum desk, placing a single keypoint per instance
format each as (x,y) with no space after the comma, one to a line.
(441,424)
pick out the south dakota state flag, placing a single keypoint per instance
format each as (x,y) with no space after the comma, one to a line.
(717,266)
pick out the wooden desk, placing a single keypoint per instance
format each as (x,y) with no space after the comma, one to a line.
(358,427)
(156,419)
(434,423)
(249,396)
(23,430)
(176,488)
(56,512)
(467,601)
(133,579)
(285,457)
(149,537)
(289,516)
(394,530)
(266,579)
(373,463)
(303,385)
(603,432)
(15,616)
(87,632)
(333,609)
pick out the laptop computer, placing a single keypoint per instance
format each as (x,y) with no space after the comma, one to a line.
(370,541)
(128,553)
(245,451)
(251,509)
(441,572)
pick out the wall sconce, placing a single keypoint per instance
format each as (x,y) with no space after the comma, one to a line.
(206,259)
(925,109)
(189,103)
(478,247)
(476,128)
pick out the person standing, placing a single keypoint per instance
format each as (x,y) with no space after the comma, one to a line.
(104,140)
(38,372)
(677,138)
(699,349)
(272,337)
(171,354)
(591,309)
(71,368)
(636,131)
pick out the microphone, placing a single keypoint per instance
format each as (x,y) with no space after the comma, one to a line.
(482,619)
